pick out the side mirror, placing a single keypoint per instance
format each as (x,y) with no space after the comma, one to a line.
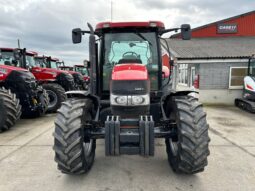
(76,35)
(86,63)
(186,32)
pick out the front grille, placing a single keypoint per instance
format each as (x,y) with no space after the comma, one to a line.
(130,87)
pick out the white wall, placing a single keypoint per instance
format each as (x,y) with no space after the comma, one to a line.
(224,97)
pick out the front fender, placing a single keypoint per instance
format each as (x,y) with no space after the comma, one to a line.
(167,95)
(86,95)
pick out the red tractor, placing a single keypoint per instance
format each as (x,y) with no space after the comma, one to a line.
(79,81)
(54,81)
(84,71)
(18,87)
(127,105)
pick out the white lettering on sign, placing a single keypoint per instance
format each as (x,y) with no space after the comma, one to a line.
(227,28)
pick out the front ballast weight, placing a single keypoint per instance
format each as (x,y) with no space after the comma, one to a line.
(135,137)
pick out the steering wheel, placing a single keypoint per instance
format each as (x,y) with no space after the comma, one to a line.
(131,54)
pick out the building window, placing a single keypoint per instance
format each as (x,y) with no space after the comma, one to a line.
(236,76)
(183,74)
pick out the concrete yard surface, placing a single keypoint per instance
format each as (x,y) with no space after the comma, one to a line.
(27,160)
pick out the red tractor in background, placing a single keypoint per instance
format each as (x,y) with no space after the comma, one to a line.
(54,81)
(18,88)
(84,71)
(79,81)
(127,103)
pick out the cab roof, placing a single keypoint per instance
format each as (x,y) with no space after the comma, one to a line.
(79,65)
(31,53)
(7,49)
(52,59)
(149,24)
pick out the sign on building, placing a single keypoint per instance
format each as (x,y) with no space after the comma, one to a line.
(227,28)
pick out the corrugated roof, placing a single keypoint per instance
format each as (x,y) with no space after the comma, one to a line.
(208,48)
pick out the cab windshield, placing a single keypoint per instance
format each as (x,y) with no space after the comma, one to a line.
(252,67)
(40,62)
(139,48)
(7,58)
(81,70)
(53,64)
(30,60)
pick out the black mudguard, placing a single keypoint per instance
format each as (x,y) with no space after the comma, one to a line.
(167,96)
(88,95)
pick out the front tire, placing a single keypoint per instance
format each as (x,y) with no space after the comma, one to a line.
(56,96)
(10,109)
(74,153)
(188,151)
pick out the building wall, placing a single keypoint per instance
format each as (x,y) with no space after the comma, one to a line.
(214,82)
(219,96)
(216,75)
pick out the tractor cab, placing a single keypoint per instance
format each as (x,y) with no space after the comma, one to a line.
(61,65)
(81,69)
(47,62)
(131,52)
(7,57)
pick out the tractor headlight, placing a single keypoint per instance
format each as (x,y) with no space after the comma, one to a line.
(134,100)
(121,100)
(118,100)
(137,100)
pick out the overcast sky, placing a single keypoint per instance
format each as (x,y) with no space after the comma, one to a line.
(45,25)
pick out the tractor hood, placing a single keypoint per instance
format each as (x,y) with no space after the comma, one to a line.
(12,68)
(6,70)
(130,72)
(47,73)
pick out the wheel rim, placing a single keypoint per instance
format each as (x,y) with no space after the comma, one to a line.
(87,147)
(53,98)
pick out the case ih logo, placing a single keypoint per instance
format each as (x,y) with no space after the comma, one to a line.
(227,28)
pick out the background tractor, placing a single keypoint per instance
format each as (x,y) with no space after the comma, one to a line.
(84,71)
(54,81)
(79,81)
(20,86)
(127,104)
(248,100)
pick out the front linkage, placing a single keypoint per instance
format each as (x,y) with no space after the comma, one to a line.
(129,136)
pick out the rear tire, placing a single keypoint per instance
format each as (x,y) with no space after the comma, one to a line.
(188,151)
(56,96)
(74,153)
(10,109)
